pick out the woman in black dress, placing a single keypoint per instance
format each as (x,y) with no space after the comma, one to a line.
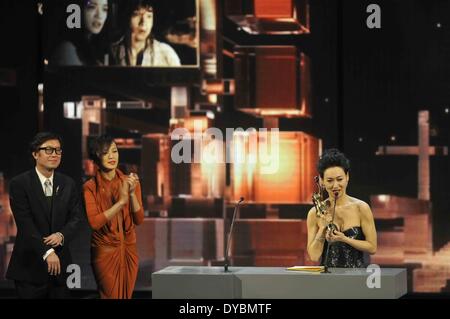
(353,233)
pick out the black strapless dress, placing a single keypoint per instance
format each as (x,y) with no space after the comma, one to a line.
(342,255)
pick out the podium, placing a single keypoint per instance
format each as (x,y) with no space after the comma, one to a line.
(190,282)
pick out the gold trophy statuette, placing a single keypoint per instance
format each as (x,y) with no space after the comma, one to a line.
(319,202)
(322,204)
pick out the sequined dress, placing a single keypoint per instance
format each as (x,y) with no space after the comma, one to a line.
(342,255)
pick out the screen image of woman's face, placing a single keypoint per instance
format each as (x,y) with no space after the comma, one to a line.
(141,23)
(95,14)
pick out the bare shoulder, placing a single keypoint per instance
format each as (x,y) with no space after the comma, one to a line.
(363,207)
(66,54)
(360,205)
(358,202)
(312,214)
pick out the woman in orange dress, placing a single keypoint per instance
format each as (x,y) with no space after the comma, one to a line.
(113,207)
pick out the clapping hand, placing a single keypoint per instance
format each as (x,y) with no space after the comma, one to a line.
(124,193)
(132,180)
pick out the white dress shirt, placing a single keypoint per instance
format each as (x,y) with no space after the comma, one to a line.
(42,179)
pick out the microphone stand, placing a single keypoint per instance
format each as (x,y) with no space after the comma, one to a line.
(227,248)
(331,227)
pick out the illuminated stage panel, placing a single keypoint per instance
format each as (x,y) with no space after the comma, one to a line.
(192,123)
(289,183)
(416,215)
(276,66)
(204,173)
(180,175)
(243,167)
(277,9)
(270,17)
(212,169)
(305,85)
(155,165)
(272,81)
(284,185)
(198,178)
(200,174)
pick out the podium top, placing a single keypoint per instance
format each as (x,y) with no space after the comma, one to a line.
(278,283)
(205,270)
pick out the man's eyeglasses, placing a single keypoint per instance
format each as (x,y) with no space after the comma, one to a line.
(49,150)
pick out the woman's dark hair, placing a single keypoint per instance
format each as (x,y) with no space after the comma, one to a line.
(91,50)
(333,158)
(98,146)
(41,138)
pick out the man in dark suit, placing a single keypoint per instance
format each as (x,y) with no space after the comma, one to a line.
(47,209)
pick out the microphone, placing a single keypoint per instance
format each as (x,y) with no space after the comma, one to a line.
(227,248)
(331,227)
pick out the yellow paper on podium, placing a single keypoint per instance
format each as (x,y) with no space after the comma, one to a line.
(307,268)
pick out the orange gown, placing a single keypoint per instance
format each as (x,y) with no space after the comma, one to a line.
(113,245)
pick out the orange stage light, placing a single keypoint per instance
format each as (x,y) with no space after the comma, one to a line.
(291,183)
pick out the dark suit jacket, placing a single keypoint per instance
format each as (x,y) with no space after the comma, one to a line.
(35,220)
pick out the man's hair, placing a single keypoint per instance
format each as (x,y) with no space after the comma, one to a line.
(333,158)
(133,5)
(98,146)
(141,4)
(41,138)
